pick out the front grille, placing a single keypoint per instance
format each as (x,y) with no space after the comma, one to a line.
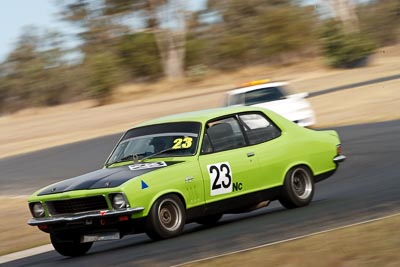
(77,205)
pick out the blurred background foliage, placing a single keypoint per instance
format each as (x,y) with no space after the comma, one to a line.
(345,49)
(128,41)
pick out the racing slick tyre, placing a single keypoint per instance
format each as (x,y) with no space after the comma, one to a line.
(69,247)
(209,220)
(166,218)
(298,188)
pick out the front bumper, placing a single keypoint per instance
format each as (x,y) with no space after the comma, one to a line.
(78,217)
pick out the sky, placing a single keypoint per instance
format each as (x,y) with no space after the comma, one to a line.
(15,14)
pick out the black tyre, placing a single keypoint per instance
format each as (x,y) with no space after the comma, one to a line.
(166,219)
(298,188)
(209,220)
(69,247)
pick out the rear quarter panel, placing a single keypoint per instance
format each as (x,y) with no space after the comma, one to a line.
(303,146)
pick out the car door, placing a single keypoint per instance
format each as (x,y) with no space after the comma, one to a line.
(226,162)
(269,146)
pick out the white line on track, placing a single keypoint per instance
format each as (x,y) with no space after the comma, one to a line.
(287,240)
(47,248)
(25,253)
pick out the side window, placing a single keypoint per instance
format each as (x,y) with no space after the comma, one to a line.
(258,128)
(224,134)
(206,147)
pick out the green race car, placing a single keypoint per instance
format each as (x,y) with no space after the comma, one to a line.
(191,167)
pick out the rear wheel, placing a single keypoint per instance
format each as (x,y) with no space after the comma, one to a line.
(298,188)
(68,246)
(209,220)
(166,219)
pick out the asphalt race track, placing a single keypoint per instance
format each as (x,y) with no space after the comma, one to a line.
(37,169)
(366,186)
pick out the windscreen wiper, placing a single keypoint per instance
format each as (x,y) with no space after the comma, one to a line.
(161,152)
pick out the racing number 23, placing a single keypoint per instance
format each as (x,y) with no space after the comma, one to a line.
(220,178)
(182,143)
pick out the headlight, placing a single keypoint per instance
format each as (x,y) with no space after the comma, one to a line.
(118,201)
(37,210)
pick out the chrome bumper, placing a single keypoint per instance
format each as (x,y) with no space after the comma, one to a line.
(339,158)
(77,217)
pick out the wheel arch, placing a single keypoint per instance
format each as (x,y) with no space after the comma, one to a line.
(298,164)
(164,193)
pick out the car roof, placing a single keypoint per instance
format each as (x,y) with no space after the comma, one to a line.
(242,90)
(201,115)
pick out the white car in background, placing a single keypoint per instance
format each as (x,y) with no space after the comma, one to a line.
(273,96)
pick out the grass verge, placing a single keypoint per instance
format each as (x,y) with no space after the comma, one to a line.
(16,234)
(368,245)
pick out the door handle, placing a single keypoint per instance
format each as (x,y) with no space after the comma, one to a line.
(250,154)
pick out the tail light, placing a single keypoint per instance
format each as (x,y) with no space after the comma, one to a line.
(339,149)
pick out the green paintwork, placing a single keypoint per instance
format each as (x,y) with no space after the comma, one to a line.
(266,169)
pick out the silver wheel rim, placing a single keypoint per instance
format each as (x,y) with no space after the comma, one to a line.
(169,215)
(301,183)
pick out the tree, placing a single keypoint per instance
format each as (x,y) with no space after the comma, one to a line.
(139,55)
(345,11)
(33,74)
(167,19)
(260,31)
(381,21)
(343,42)
(103,73)
(28,68)
(345,50)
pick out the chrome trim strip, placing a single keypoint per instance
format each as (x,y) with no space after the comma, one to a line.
(70,218)
(339,158)
(189,179)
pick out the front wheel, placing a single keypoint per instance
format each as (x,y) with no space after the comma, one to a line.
(166,219)
(70,247)
(298,188)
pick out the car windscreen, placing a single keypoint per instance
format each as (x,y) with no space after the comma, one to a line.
(178,138)
(262,95)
